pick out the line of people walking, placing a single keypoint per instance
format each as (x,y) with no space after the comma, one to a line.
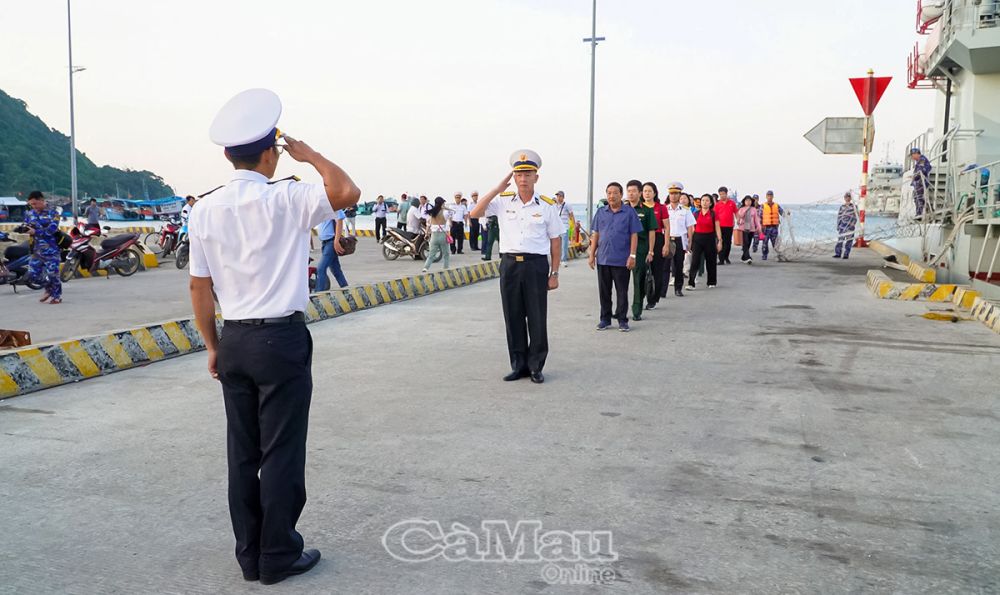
(637,238)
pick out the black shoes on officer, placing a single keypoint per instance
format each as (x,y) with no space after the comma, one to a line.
(304,564)
(536,377)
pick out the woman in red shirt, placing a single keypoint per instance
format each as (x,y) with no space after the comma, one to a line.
(707,241)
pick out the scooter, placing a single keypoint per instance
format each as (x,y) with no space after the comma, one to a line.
(163,242)
(119,253)
(183,248)
(14,264)
(398,242)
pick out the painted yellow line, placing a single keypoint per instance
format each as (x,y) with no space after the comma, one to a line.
(344,304)
(79,356)
(42,367)
(116,352)
(148,343)
(327,302)
(177,336)
(8,388)
(370,292)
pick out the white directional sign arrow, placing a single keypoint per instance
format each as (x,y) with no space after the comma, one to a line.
(839,136)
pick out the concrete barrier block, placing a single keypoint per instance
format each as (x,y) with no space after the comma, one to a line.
(921,272)
(987,312)
(886,251)
(965,297)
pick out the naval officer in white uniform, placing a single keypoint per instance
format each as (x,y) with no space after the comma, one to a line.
(530,247)
(250,245)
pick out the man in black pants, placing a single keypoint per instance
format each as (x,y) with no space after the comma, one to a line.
(614,235)
(680,222)
(459,213)
(263,360)
(474,225)
(530,230)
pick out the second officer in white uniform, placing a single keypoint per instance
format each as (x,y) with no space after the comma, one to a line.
(530,246)
(250,245)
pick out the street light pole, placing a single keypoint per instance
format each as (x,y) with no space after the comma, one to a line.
(592,40)
(72,122)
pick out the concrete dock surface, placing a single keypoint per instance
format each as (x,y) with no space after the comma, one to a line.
(783,433)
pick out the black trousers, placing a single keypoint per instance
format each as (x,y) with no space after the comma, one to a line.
(727,244)
(746,245)
(379,228)
(656,268)
(266,376)
(704,247)
(674,264)
(474,233)
(457,236)
(524,292)
(618,277)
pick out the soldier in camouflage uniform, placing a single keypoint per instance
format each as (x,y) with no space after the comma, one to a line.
(921,178)
(43,225)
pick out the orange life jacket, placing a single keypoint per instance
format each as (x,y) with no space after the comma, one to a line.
(770,215)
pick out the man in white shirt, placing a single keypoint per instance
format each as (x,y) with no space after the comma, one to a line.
(681,230)
(529,231)
(250,247)
(413,217)
(565,215)
(458,216)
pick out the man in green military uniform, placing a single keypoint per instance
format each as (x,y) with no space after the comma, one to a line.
(643,248)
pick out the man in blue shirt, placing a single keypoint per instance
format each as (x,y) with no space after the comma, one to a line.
(613,239)
(330,232)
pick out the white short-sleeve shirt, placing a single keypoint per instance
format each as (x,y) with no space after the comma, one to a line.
(525,228)
(252,239)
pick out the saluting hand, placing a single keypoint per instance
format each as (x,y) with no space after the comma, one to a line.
(299,150)
(505,183)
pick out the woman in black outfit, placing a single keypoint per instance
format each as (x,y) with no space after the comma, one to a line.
(707,241)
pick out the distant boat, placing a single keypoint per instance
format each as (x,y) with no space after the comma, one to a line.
(121,209)
(365,208)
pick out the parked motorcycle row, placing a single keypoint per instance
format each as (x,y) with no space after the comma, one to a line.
(120,254)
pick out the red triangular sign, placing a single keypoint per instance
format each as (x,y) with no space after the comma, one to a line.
(869,91)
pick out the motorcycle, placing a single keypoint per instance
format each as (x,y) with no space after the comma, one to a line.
(14,264)
(183,249)
(398,242)
(163,242)
(118,253)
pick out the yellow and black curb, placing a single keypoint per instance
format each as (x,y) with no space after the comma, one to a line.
(987,312)
(885,288)
(38,367)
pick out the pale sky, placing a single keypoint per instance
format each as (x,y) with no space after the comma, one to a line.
(433,96)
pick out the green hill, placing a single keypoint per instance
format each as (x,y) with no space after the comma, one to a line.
(36,157)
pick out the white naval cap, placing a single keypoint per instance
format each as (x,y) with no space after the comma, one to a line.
(246,124)
(525,160)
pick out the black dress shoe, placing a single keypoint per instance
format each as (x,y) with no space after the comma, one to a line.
(537,377)
(678,293)
(251,575)
(515,375)
(306,561)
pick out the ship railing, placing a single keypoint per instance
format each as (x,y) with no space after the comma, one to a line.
(964,15)
(979,190)
(941,200)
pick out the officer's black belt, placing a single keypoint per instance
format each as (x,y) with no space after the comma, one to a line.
(522,257)
(293,317)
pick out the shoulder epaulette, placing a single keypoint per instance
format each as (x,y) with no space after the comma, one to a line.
(201,196)
(546,199)
(506,194)
(289,178)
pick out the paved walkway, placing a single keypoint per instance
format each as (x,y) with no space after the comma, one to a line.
(783,433)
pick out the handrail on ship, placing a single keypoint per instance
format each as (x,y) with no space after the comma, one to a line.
(962,15)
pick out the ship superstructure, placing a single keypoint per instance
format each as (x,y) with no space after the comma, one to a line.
(958,58)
